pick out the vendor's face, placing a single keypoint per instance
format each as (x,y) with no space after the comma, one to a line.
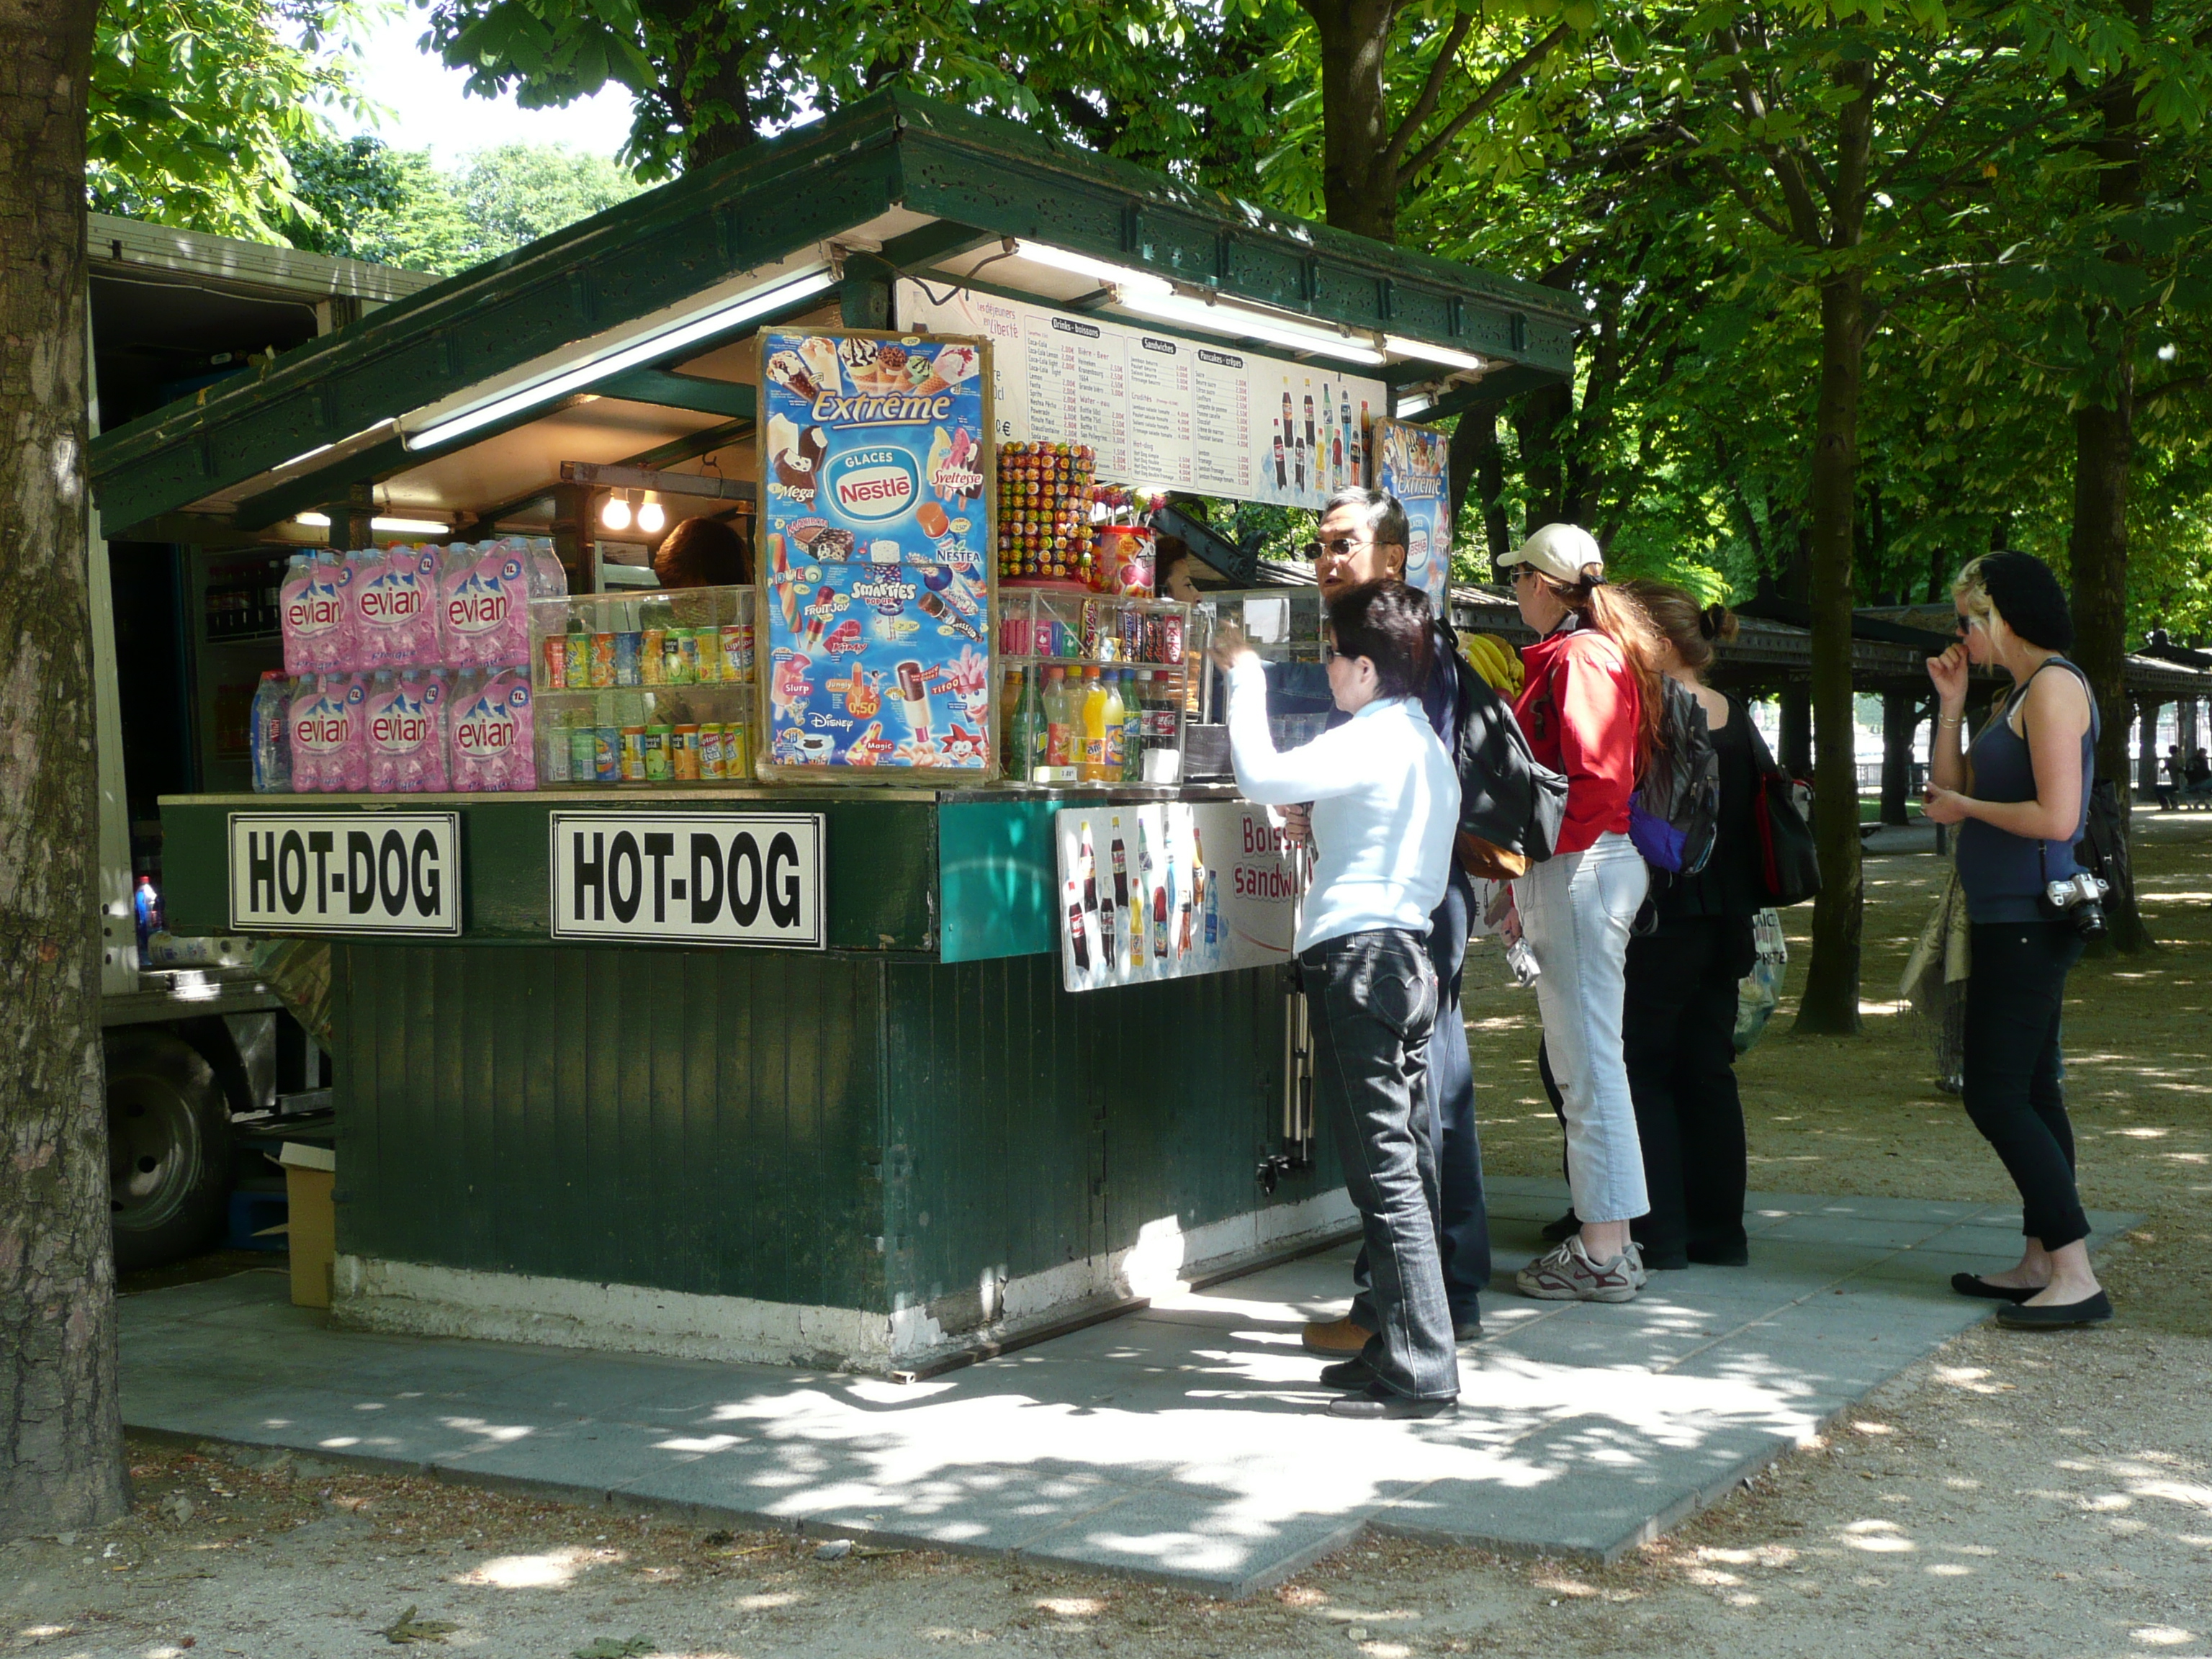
(1350,555)
(1179,584)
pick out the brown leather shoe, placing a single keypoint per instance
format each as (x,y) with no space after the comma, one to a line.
(1335,1336)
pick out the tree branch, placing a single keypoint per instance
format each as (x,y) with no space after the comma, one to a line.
(1432,89)
(2144,400)
(1501,84)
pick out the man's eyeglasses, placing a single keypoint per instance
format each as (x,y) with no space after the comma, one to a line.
(1343,547)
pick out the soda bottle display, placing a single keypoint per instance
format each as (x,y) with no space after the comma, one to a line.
(1009,716)
(1027,753)
(272,746)
(1075,937)
(1120,867)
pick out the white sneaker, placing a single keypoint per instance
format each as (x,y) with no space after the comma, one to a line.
(1565,1273)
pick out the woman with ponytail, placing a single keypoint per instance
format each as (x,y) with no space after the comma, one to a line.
(1679,1026)
(1591,707)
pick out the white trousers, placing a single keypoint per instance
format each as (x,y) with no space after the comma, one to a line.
(1576,910)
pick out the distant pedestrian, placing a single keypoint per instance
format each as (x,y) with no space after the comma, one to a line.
(1679,1025)
(1385,807)
(2021,797)
(2177,778)
(1590,708)
(2199,777)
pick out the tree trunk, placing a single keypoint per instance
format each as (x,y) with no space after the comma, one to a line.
(61,1430)
(1478,467)
(1359,180)
(1900,723)
(1830,1002)
(2104,445)
(1542,422)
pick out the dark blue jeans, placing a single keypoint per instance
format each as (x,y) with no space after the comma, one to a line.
(1463,1218)
(1373,998)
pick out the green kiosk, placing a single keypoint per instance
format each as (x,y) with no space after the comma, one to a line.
(742,969)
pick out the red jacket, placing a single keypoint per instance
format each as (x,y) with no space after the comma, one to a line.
(1579,706)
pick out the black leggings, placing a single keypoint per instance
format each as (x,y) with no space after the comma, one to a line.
(2014,992)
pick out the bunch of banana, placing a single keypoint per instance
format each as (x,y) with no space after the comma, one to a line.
(1499,663)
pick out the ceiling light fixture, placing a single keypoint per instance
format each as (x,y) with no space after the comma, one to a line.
(1398,345)
(1125,278)
(613,511)
(392,526)
(717,320)
(650,518)
(1242,324)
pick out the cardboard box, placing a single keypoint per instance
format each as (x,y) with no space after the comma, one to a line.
(309,1175)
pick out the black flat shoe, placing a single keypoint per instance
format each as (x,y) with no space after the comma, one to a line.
(1564,1227)
(1377,1404)
(1349,1375)
(1466,1330)
(1720,1255)
(1971,1285)
(2053,1316)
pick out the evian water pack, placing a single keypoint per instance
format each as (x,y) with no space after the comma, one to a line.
(483,603)
(493,741)
(404,720)
(327,730)
(395,608)
(313,613)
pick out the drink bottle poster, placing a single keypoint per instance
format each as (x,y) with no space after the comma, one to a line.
(876,554)
(1170,889)
(1413,463)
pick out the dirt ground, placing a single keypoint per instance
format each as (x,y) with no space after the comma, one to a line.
(2016,1495)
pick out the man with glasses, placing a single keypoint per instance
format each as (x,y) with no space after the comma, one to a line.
(1362,539)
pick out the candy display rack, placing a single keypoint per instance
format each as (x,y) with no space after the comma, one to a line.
(654,689)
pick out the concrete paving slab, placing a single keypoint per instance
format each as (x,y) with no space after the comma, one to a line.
(1185,1443)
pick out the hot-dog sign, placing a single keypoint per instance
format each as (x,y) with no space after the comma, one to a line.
(876,565)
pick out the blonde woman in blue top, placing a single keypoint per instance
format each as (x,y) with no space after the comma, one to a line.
(2019,795)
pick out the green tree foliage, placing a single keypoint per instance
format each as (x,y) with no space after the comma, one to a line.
(364,199)
(194,103)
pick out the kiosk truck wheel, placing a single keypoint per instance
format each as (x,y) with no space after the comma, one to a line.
(168,1149)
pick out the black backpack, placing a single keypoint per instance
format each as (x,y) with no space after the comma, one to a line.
(1509,802)
(1675,813)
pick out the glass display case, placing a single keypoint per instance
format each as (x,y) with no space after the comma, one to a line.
(1093,687)
(1285,625)
(652,689)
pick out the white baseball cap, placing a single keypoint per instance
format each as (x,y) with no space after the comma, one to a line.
(1558,549)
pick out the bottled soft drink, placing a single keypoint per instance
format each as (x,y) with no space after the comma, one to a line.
(1027,753)
(272,747)
(1115,717)
(1059,719)
(1135,687)
(1092,769)
(1009,715)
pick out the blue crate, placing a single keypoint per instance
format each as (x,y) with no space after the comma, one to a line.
(250,1213)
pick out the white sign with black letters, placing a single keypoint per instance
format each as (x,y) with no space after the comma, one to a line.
(325,873)
(689,878)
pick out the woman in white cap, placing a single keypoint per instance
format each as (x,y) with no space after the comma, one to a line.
(1591,707)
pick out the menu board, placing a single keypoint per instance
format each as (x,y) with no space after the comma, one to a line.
(1172,889)
(875,550)
(1164,412)
(1413,463)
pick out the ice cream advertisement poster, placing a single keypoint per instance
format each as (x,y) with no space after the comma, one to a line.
(875,543)
(1172,890)
(1413,463)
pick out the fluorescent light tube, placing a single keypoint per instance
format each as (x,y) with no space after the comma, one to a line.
(1413,403)
(1121,277)
(756,303)
(1431,354)
(394,527)
(1252,325)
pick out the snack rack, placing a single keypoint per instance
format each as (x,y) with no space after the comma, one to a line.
(1040,630)
(652,689)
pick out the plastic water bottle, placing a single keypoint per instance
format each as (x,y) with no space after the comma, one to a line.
(272,744)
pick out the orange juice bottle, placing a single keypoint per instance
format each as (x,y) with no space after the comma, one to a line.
(1094,767)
